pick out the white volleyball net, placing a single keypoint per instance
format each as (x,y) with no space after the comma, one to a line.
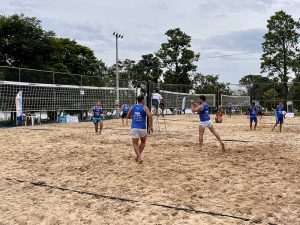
(48,97)
(237,101)
(177,101)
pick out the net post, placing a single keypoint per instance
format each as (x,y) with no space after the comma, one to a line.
(148,103)
(54,98)
(19,74)
(81,98)
(217,102)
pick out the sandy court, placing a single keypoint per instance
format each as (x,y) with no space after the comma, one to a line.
(258,178)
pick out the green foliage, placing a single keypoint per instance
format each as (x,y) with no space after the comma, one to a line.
(68,56)
(125,73)
(148,68)
(178,58)
(296,66)
(23,43)
(295,90)
(2,75)
(269,97)
(256,85)
(209,84)
(280,47)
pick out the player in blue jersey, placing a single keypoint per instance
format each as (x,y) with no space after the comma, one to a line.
(125,109)
(205,122)
(252,112)
(229,109)
(139,114)
(259,110)
(279,114)
(97,117)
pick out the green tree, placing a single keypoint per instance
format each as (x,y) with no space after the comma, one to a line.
(178,58)
(69,56)
(256,85)
(296,66)
(279,47)
(295,92)
(23,42)
(148,68)
(125,73)
(269,97)
(2,75)
(209,84)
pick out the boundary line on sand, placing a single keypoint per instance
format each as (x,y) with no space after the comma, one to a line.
(188,210)
(237,140)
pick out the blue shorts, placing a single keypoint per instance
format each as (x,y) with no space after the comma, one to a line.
(253,119)
(279,120)
(97,120)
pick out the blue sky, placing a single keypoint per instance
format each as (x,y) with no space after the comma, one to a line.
(217,27)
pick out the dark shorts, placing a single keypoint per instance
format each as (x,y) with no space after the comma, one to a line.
(279,120)
(124,115)
(253,119)
(155,103)
(259,113)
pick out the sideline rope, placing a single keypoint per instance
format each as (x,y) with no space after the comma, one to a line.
(238,141)
(188,210)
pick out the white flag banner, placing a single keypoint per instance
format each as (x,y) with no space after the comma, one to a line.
(19,106)
(183,103)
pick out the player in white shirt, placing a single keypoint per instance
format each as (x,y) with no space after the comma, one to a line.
(156,98)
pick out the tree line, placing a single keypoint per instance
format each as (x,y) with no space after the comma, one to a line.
(24,43)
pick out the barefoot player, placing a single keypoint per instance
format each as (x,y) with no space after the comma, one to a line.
(125,109)
(97,117)
(279,113)
(139,114)
(252,112)
(205,122)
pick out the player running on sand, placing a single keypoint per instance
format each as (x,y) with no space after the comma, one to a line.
(252,112)
(139,114)
(97,116)
(203,111)
(280,114)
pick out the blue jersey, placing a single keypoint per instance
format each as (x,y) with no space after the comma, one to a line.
(204,113)
(138,117)
(229,106)
(252,111)
(279,110)
(259,108)
(97,111)
(125,108)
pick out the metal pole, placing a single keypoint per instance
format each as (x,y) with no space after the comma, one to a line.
(19,74)
(117,35)
(54,97)
(148,103)
(81,98)
(117,69)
